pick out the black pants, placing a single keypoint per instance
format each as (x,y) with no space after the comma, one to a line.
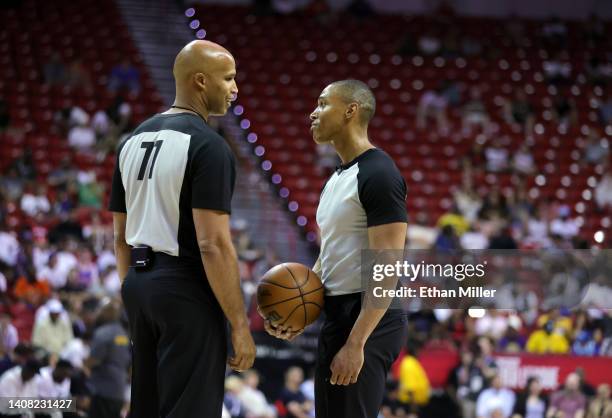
(364,398)
(179,344)
(105,407)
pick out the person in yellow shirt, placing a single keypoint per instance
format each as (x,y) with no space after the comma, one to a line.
(455,219)
(548,340)
(414,387)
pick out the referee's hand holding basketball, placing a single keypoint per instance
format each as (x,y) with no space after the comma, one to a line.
(281,332)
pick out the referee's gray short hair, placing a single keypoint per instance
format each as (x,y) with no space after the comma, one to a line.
(355,91)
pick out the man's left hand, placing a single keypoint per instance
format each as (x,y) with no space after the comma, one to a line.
(346,365)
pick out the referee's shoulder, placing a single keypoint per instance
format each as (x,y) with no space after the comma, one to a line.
(379,160)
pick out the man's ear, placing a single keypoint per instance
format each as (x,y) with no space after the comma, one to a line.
(351,111)
(200,80)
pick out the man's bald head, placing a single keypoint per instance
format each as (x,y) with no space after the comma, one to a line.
(205,74)
(355,91)
(199,56)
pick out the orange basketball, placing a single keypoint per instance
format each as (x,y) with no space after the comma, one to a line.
(290,295)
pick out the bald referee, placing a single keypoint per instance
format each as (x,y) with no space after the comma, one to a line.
(362,206)
(171,196)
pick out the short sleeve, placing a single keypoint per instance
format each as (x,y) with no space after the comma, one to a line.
(117,198)
(213,176)
(382,192)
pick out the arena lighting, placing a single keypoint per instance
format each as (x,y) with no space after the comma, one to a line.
(476,312)
(599,237)
(239,110)
(252,137)
(277,178)
(260,150)
(194,24)
(284,192)
(245,124)
(266,165)
(201,34)
(301,220)
(293,206)
(190,12)
(311,236)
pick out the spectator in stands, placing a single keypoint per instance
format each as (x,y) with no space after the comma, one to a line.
(109,361)
(429,43)
(54,381)
(513,340)
(601,406)
(451,91)
(563,225)
(12,185)
(597,148)
(9,337)
(494,400)
(231,400)
(291,398)
(124,76)
(25,165)
(467,199)
(537,230)
(547,340)
(557,71)
(564,111)
(603,191)
(33,204)
(414,387)
(447,239)
(77,77)
(474,239)
(254,401)
(20,382)
(53,331)
(90,191)
(62,176)
(9,246)
(455,219)
(568,402)
(584,344)
(466,381)
(5,116)
(18,357)
(474,112)
(519,111)
(53,273)
(497,157)
(523,162)
(54,70)
(29,289)
(531,403)
(433,104)
(82,136)
(493,324)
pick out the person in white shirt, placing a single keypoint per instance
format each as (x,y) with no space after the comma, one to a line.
(55,382)
(495,401)
(9,248)
(253,399)
(603,191)
(8,334)
(564,226)
(53,273)
(77,350)
(32,204)
(20,381)
(52,332)
(497,157)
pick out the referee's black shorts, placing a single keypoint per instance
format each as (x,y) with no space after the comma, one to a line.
(364,398)
(179,344)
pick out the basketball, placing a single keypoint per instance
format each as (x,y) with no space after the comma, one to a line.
(291,295)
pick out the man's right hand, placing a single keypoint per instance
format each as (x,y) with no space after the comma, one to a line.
(281,332)
(244,349)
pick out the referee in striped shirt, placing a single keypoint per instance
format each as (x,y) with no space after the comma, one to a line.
(171,195)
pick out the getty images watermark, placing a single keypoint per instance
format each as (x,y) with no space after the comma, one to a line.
(502,279)
(404,270)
